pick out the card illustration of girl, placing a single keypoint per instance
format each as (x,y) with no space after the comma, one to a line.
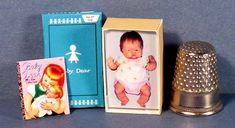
(46,96)
(42,87)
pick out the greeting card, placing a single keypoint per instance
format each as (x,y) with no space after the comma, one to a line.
(43,87)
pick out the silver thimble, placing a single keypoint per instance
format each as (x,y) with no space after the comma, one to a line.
(195,85)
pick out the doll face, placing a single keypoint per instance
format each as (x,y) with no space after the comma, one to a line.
(132,49)
(47,82)
(51,93)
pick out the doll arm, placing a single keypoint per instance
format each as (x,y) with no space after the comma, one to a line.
(113,65)
(58,107)
(78,53)
(68,53)
(152,64)
(28,110)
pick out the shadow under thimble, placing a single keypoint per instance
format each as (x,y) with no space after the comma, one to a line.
(195,86)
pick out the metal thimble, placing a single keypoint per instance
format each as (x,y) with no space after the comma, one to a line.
(195,85)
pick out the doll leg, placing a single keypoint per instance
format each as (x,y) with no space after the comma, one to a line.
(144,95)
(121,94)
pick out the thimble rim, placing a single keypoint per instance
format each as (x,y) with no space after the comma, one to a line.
(187,111)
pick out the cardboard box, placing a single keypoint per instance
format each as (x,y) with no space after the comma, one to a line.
(77,37)
(133,65)
(41,82)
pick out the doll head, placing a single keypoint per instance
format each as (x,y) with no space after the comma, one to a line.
(131,45)
(53,75)
(55,92)
(73,47)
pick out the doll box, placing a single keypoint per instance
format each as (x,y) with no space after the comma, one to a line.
(36,86)
(77,37)
(125,86)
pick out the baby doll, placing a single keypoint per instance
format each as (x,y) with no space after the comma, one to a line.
(132,69)
(52,96)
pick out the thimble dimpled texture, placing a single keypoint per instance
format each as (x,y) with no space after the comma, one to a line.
(195,84)
(195,69)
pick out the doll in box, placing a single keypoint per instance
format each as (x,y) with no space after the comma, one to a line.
(53,75)
(53,96)
(132,69)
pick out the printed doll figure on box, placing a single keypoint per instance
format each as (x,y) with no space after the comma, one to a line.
(132,68)
(48,88)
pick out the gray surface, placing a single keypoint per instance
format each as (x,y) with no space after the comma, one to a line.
(97,118)
(184,20)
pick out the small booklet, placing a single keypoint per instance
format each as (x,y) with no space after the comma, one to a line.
(43,87)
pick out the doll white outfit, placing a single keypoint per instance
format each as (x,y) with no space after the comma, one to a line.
(37,103)
(132,74)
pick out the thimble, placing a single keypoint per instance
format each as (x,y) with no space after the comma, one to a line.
(195,85)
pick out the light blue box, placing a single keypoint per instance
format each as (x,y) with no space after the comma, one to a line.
(77,37)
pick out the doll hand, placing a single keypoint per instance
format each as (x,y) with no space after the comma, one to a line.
(47,105)
(151,65)
(110,61)
(112,64)
(56,105)
(29,115)
(151,59)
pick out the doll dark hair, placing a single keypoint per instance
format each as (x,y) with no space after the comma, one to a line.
(131,35)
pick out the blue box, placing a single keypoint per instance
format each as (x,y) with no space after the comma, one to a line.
(77,37)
